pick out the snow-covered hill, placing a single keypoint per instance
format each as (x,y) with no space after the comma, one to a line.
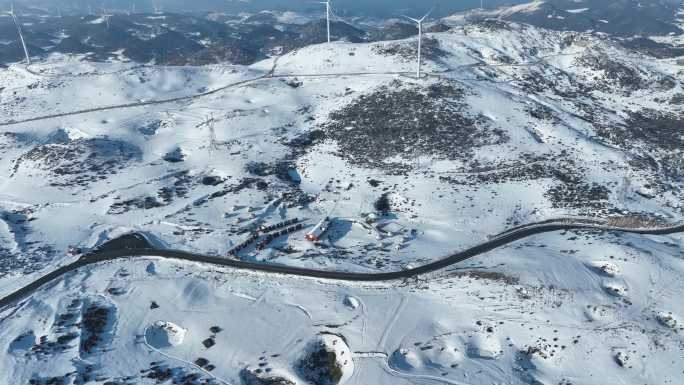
(614,17)
(513,124)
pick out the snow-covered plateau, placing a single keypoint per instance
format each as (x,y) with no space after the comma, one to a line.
(510,125)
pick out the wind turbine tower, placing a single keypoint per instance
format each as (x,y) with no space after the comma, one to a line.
(21,35)
(327,16)
(420,40)
(157,8)
(106,16)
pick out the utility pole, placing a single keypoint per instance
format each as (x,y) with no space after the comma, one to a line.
(210,122)
(212,133)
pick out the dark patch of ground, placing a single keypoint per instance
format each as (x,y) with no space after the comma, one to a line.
(80,162)
(259,376)
(407,50)
(580,195)
(618,76)
(131,241)
(653,48)
(487,276)
(162,373)
(96,327)
(655,135)
(320,365)
(400,120)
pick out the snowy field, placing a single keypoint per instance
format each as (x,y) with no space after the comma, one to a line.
(554,316)
(500,133)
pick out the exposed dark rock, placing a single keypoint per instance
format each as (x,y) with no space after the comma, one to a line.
(252,377)
(382,204)
(174,156)
(404,121)
(81,161)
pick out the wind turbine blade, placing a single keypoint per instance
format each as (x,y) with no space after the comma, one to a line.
(412,19)
(427,14)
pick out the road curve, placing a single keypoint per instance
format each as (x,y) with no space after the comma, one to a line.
(495,242)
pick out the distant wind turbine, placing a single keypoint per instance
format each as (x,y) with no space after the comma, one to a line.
(21,35)
(106,16)
(156,6)
(327,16)
(420,39)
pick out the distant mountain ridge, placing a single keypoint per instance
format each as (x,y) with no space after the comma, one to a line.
(176,39)
(375,8)
(614,17)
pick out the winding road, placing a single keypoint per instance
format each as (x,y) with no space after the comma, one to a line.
(494,242)
(500,240)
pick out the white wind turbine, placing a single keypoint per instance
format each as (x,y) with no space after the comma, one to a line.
(420,39)
(106,16)
(21,35)
(156,6)
(327,16)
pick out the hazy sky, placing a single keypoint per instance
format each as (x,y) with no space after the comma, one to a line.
(343,7)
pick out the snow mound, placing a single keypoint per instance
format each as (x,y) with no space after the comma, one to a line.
(328,361)
(174,156)
(601,313)
(484,346)
(164,334)
(439,356)
(351,302)
(609,269)
(532,364)
(252,377)
(615,288)
(667,320)
(406,360)
(628,359)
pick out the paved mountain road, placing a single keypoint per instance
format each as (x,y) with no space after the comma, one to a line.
(495,242)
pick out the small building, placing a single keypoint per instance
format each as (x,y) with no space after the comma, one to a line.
(317,232)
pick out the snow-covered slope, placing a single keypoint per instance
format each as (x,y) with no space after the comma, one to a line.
(614,17)
(512,125)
